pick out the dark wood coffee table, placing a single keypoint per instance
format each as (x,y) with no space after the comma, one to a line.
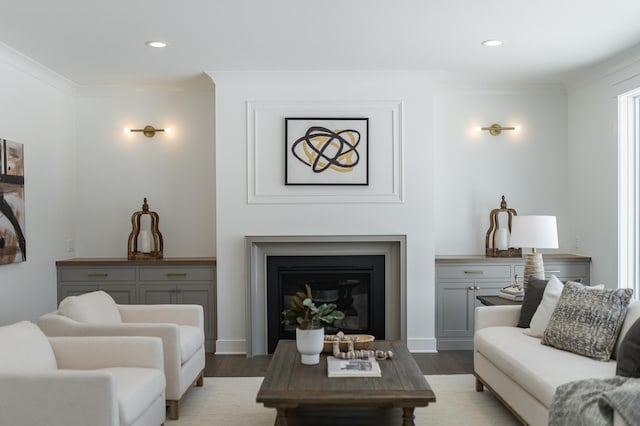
(295,390)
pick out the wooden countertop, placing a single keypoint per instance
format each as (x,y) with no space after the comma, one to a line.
(117,261)
(547,257)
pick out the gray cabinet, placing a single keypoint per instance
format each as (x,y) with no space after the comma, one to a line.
(148,282)
(460,279)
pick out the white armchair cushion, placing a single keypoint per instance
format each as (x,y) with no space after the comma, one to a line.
(24,347)
(96,307)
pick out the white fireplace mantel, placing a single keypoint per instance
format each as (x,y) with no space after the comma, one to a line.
(258,248)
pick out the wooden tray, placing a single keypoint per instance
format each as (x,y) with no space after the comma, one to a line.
(363,342)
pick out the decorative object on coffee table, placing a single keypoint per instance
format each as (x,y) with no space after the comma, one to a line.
(310,321)
(360,341)
(351,351)
(145,240)
(496,241)
(535,232)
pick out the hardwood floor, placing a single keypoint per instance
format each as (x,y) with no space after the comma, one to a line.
(444,362)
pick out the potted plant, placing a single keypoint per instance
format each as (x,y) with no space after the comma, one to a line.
(310,321)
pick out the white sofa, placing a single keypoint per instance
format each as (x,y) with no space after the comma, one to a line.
(522,372)
(70,381)
(181,328)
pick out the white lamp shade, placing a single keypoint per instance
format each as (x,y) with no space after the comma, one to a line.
(534,231)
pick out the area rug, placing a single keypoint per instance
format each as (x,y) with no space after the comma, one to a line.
(231,401)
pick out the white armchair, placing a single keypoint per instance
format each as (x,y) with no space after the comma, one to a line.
(181,328)
(69,381)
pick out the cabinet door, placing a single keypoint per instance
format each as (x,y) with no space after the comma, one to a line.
(486,289)
(454,303)
(199,294)
(65,290)
(123,294)
(157,294)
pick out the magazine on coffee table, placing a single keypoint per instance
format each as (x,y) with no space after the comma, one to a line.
(352,367)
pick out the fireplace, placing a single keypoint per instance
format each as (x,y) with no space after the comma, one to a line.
(356,283)
(260,248)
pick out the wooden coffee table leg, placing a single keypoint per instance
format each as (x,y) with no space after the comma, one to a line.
(407,416)
(281,417)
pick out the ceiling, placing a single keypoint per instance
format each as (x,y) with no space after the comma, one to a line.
(102,43)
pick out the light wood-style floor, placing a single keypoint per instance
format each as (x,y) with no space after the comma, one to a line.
(444,362)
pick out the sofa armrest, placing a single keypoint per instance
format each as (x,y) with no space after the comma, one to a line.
(57,397)
(492,316)
(176,314)
(94,352)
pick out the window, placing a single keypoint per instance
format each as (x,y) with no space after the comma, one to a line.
(628,190)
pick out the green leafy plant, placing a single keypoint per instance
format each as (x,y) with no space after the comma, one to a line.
(303,313)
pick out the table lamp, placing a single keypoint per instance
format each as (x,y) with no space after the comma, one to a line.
(536,232)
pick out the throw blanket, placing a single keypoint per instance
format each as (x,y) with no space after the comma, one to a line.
(593,401)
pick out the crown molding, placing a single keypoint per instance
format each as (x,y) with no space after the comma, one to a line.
(26,65)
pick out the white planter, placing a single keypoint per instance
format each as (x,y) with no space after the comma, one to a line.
(310,343)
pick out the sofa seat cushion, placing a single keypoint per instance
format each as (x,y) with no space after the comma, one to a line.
(539,369)
(191,339)
(96,307)
(137,388)
(24,347)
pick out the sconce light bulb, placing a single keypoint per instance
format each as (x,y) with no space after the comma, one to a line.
(127,130)
(477,128)
(167,130)
(517,128)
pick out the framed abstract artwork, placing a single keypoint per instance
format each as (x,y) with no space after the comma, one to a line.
(326,151)
(12,233)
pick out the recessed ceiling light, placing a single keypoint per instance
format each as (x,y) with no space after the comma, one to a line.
(156,43)
(492,43)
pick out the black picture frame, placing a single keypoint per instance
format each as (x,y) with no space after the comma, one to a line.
(326,151)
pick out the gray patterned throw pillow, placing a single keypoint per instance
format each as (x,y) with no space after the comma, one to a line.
(587,321)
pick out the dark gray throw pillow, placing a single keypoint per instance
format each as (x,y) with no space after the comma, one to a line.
(629,353)
(532,298)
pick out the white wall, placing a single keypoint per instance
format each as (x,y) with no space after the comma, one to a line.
(175,171)
(237,218)
(474,169)
(38,110)
(593,168)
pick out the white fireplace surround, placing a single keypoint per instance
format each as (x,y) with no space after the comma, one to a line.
(393,247)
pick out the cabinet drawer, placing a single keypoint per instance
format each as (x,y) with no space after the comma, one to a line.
(97,274)
(475,271)
(176,274)
(564,271)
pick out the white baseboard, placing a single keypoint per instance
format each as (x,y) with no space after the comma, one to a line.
(231,347)
(423,345)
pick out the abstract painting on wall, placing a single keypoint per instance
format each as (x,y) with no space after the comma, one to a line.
(12,241)
(327,151)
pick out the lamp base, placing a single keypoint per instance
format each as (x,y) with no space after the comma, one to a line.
(533,268)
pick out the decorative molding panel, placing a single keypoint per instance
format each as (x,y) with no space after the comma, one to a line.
(266,153)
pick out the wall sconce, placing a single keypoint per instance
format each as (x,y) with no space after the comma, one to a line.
(149,131)
(496,129)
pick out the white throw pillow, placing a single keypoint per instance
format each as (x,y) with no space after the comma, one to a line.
(24,347)
(96,307)
(550,298)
